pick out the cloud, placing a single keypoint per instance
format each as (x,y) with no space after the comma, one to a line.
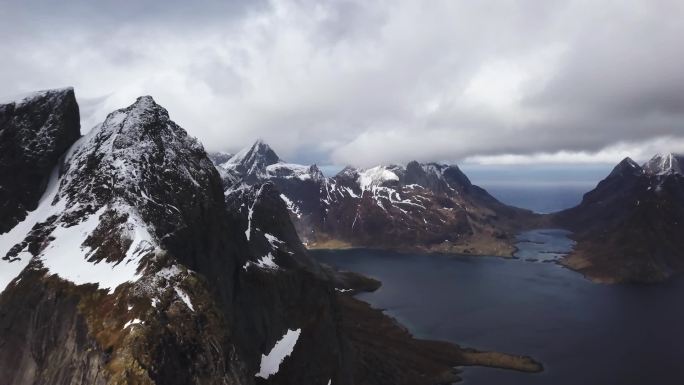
(366,82)
(639,151)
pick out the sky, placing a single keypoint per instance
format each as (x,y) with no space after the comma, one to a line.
(485,83)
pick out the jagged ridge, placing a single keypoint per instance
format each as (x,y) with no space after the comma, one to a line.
(421,206)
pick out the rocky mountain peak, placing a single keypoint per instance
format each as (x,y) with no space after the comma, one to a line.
(665,164)
(626,167)
(137,183)
(414,171)
(348,172)
(451,174)
(316,172)
(254,159)
(377,176)
(134,150)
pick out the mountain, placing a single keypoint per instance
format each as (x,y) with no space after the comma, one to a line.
(136,268)
(428,206)
(219,157)
(119,266)
(629,228)
(34,132)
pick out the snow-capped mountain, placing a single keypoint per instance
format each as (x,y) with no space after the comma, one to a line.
(133,266)
(420,206)
(665,164)
(630,227)
(120,244)
(219,157)
(259,163)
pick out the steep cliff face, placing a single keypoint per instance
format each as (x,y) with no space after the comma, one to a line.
(426,206)
(34,132)
(44,336)
(132,235)
(293,293)
(629,228)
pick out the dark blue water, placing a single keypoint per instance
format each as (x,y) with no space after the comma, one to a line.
(543,245)
(583,333)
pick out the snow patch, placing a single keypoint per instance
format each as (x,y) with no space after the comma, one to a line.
(10,270)
(265,262)
(375,176)
(351,192)
(270,363)
(134,321)
(185,298)
(291,171)
(66,256)
(273,240)
(662,164)
(291,206)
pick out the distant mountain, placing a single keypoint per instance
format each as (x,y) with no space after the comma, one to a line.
(219,157)
(630,228)
(425,206)
(134,267)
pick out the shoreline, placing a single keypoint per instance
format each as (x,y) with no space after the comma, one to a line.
(374,333)
(378,337)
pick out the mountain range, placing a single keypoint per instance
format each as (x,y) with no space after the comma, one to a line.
(628,229)
(127,257)
(418,207)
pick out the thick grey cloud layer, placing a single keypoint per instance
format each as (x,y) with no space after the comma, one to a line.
(367,82)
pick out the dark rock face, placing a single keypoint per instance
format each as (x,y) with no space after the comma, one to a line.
(629,228)
(427,206)
(292,291)
(45,337)
(34,133)
(264,217)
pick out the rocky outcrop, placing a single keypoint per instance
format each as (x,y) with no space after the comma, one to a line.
(44,336)
(34,132)
(629,227)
